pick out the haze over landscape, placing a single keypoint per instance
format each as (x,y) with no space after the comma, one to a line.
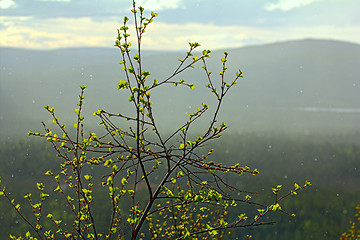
(300,86)
(299,58)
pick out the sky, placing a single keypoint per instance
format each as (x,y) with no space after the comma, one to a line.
(215,24)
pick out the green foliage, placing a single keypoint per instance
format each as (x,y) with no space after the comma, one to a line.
(322,210)
(185,193)
(354,230)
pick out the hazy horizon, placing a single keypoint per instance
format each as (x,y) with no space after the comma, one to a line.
(313,86)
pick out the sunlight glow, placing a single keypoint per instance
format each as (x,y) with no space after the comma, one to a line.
(85,32)
(286,5)
(158,5)
(7,4)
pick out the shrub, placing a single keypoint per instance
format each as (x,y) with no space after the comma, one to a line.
(158,185)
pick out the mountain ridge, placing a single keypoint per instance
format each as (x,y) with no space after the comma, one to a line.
(280,79)
(220,49)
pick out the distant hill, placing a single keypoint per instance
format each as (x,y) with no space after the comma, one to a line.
(304,86)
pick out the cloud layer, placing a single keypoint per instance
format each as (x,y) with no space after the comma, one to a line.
(47,24)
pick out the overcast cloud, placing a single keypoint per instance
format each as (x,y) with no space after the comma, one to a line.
(45,24)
